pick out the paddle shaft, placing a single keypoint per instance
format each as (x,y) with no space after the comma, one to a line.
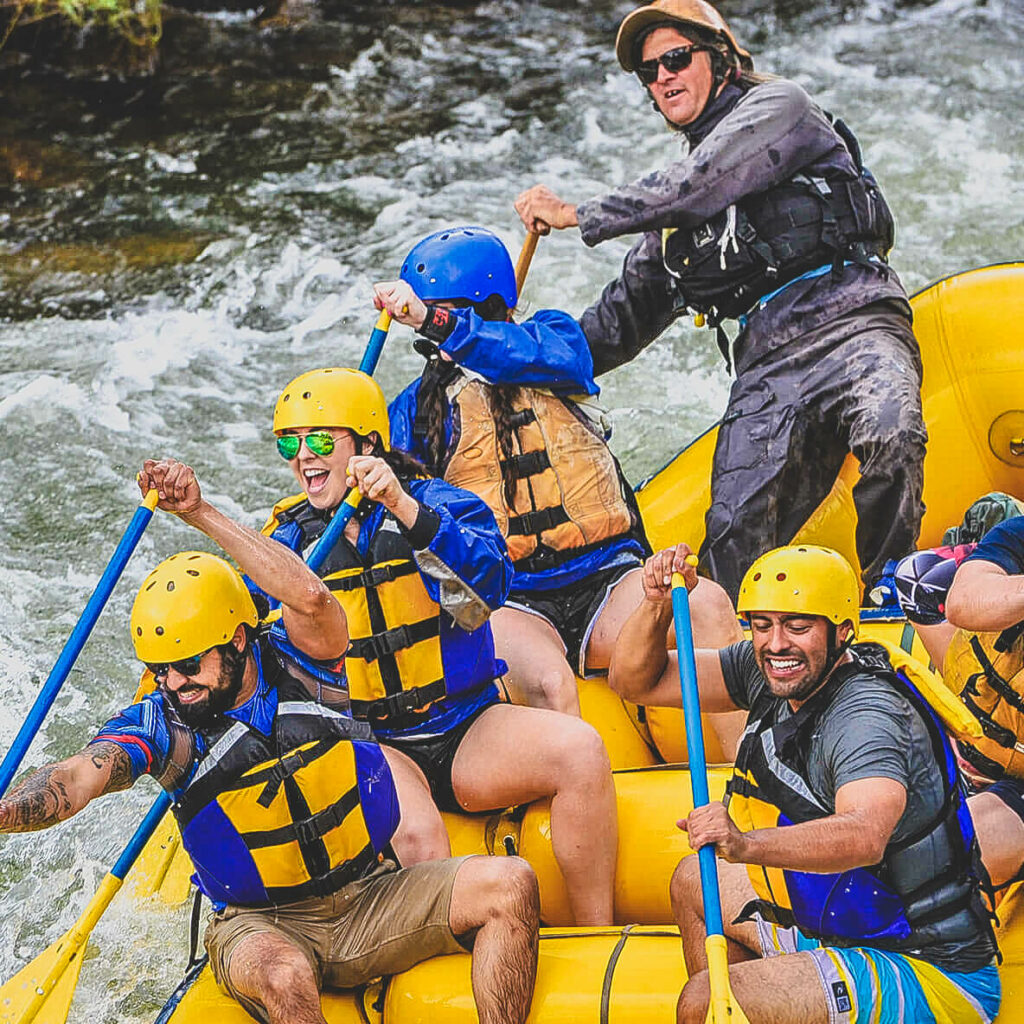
(695,747)
(525,256)
(73,647)
(336,527)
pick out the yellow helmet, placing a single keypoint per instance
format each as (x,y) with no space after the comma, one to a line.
(335,397)
(802,579)
(698,13)
(189,603)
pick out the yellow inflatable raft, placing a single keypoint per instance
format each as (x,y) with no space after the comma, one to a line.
(973,383)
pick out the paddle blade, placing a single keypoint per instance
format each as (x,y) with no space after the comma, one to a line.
(722,1007)
(164,868)
(41,991)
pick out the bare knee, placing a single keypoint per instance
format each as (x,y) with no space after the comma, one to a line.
(685,888)
(714,617)
(495,889)
(584,758)
(692,1007)
(271,971)
(553,688)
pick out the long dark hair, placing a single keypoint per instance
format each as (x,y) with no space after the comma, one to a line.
(432,402)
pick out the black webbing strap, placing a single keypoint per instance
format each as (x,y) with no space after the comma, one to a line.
(529,464)
(408,702)
(371,578)
(193,931)
(537,522)
(521,418)
(370,648)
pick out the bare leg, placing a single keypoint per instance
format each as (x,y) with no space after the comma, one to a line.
(688,906)
(779,990)
(714,626)
(1000,836)
(936,640)
(497,898)
(271,971)
(538,674)
(421,834)
(512,755)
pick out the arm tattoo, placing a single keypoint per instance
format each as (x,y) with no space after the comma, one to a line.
(121,777)
(37,803)
(43,799)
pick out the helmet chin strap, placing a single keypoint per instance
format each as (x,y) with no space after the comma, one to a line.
(835,649)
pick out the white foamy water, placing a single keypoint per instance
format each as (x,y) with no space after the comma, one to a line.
(932,93)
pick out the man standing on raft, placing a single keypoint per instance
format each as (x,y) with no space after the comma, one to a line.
(285,802)
(770,219)
(846,856)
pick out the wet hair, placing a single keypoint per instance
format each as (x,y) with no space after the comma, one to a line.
(433,405)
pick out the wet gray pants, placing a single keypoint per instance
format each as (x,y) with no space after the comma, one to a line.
(853,385)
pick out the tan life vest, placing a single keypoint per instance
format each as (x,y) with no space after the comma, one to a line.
(569,493)
(987,671)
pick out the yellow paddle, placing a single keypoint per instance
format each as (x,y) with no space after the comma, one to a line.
(42,990)
(723,1007)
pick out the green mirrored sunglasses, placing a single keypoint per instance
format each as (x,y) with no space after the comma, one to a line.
(319,443)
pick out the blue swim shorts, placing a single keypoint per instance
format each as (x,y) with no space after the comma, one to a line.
(870,986)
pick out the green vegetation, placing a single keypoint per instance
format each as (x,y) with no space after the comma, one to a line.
(136,21)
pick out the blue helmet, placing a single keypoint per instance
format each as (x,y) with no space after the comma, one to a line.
(461,263)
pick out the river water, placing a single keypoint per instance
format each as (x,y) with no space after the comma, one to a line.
(172,253)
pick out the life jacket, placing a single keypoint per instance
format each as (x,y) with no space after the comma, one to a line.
(765,240)
(902,903)
(987,671)
(570,494)
(396,665)
(269,820)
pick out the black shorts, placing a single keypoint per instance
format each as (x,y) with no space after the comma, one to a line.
(434,756)
(573,610)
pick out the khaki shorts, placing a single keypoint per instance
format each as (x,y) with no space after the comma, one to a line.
(381,924)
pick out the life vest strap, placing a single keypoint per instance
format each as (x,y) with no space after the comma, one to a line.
(374,577)
(529,464)
(996,681)
(327,884)
(308,830)
(521,418)
(399,638)
(398,707)
(537,522)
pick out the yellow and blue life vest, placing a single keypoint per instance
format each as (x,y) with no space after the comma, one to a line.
(406,654)
(271,819)
(925,890)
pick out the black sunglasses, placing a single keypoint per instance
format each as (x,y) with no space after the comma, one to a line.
(675,60)
(185,666)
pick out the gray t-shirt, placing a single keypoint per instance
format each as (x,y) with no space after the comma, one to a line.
(871,730)
(868,731)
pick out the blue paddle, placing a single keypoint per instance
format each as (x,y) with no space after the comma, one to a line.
(722,1008)
(48,694)
(336,527)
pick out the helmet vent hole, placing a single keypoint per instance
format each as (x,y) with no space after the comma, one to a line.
(287,398)
(420,267)
(170,586)
(138,631)
(780,576)
(307,394)
(757,576)
(152,585)
(445,237)
(159,630)
(192,572)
